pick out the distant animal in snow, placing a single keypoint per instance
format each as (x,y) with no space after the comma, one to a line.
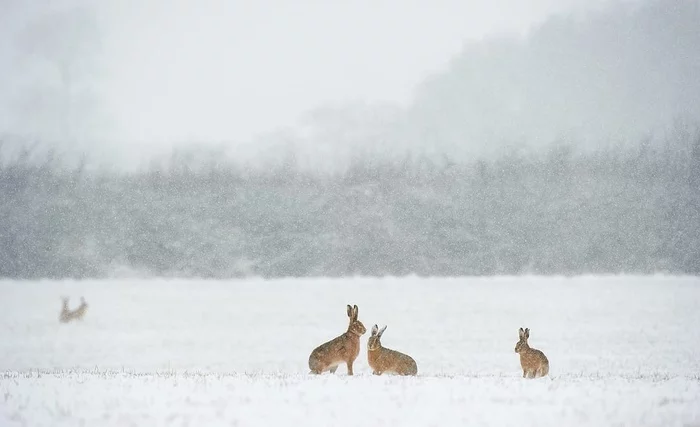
(342,349)
(384,360)
(534,363)
(68,315)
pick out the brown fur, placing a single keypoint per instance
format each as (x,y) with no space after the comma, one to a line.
(383,359)
(68,315)
(534,363)
(342,349)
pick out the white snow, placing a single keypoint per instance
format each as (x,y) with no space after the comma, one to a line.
(623,351)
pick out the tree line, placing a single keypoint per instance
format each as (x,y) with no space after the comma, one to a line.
(559,211)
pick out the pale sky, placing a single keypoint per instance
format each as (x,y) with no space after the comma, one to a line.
(229,70)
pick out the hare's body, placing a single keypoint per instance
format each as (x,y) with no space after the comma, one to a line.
(385,360)
(68,315)
(533,362)
(342,349)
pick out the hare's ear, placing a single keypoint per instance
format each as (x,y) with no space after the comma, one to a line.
(527,332)
(355,312)
(381,331)
(375,328)
(521,333)
(349,311)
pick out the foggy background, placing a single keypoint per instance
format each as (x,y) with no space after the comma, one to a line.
(223,139)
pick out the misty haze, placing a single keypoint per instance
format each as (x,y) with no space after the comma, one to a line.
(494,165)
(568,148)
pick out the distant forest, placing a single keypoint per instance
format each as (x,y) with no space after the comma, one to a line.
(560,212)
(556,154)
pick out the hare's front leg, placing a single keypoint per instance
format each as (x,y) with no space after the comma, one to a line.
(350,362)
(333,369)
(376,372)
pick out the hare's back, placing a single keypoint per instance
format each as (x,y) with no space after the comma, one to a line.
(335,347)
(540,355)
(411,365)
(533,358)
(403,362)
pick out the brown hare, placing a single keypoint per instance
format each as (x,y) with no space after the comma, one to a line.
(383,360)
(68,315)
(533,361)
(342,349)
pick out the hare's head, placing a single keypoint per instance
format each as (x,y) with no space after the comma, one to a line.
(524,334)
(374,341)
(356,327)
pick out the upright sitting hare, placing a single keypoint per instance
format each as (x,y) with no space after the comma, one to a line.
(533,361)
(67,315)
(382,359)
(342,349)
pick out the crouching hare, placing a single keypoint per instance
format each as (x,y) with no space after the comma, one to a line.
(533,361)
(341,349)
(383,360)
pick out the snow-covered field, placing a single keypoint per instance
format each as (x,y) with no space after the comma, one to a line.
(623,351)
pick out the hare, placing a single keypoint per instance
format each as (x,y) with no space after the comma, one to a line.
(382,359)
(344,348)
(534,363)
(67,315)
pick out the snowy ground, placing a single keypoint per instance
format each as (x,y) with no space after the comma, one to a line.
(623,351)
